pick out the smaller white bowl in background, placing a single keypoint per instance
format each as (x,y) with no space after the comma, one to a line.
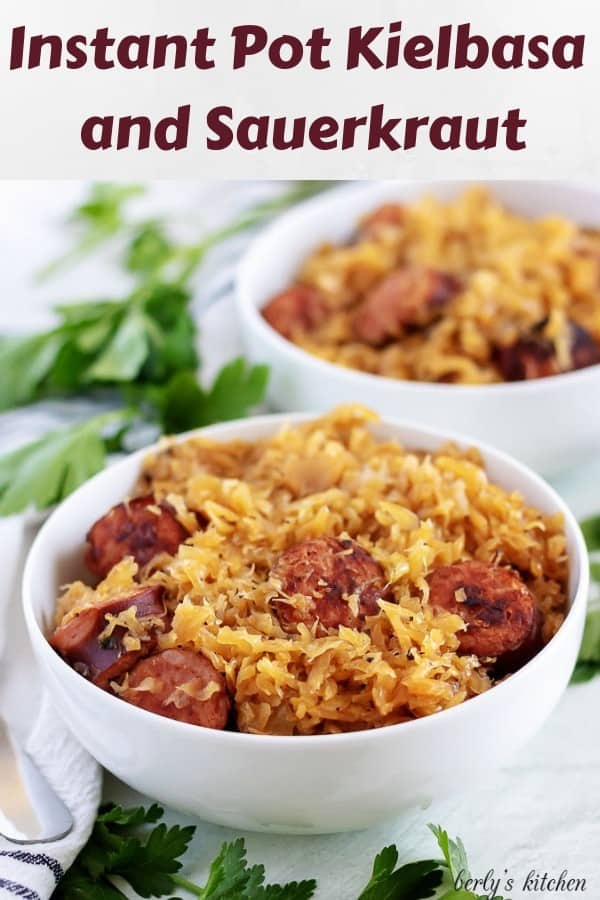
(549,423)
(301,785)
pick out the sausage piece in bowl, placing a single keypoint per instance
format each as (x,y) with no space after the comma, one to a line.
(348,594)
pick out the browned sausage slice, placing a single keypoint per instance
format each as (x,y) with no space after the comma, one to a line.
(534,356)
(499,610)
(327,571)
(105,659)
(182,685)
(412,296)
(140,528)
(298,309)
(585,351)
(529,357)
(385,216)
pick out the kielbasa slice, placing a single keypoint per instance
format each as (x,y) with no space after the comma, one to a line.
(103,660)
(534,356)
(529,357)
(385,216)
(182,685)
(298,309)
(585,351)
(410,297)
(500,612)
(141,528)
(340,581)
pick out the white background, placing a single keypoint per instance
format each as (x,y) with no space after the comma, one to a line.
(42,111)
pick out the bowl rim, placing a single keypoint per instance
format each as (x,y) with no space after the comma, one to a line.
(578,597)
(310,207)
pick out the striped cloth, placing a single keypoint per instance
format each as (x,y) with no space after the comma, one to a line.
(33,871)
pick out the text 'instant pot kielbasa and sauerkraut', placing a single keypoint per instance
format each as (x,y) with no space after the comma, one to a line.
(464,292)
(319,580)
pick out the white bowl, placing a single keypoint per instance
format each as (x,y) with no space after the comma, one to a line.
(550,423)
(296,784)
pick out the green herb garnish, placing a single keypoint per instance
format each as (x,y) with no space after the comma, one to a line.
(457,867)
(44,471)
(122,846)
(138,352)
(588,661)
(412,881)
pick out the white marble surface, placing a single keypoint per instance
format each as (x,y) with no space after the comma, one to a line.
(540,813)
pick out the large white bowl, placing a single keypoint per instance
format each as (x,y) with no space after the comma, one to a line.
(296,784)
(550,423)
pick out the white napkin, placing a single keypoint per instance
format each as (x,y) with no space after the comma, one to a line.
(33,871)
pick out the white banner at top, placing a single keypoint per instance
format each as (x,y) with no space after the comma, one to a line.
(145,89)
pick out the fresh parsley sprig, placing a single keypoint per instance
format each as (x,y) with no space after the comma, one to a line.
(182,403)
(143,338)
(137,352)
(122,846)
(412,881)
(100,217)
(457,867)
(43,472)
(132,848)
(588,661)
(147,245)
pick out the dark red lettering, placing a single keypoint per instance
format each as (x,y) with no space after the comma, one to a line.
(512,124)
(178,125)
(248,40)
(465,42)
(415,51)
(490,138)
(359,47)
(163,43)
(452,126)
(125,131)
(17,45)
(572,60)
(89,132)
(202,43)
(380,131)
(322,133)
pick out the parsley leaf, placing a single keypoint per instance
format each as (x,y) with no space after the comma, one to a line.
(412,881)
(43,472)
(47,470)
(454,852)
(101,216)
(182,404)
(129,818)
(24,364)
(149,861)
(236,388)
(150,248)
(119,847)
(125,353)
(591,532)
(588,661)
(455,859)
(146,337)
(231,877)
